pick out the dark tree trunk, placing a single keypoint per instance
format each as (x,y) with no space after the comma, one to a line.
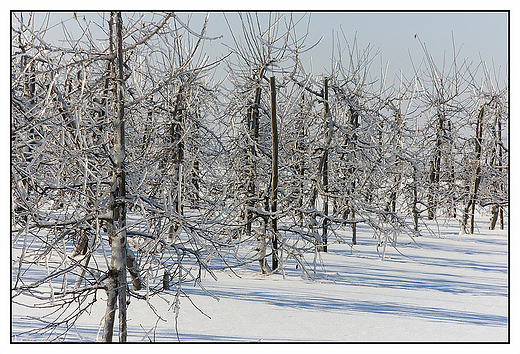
(176,132)
(415,210)
(274,176)
(497,211)
(469,210)
(494,217)
(354,123)
(325,167)
(252,120)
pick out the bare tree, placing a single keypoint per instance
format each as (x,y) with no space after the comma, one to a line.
(268,43)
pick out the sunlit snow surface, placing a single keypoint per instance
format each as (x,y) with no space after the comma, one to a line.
(452,288)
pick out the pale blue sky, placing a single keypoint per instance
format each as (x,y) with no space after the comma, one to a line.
(477,35)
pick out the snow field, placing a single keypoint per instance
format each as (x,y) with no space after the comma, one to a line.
(452,288)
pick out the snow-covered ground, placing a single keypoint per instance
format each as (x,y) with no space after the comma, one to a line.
(452,288)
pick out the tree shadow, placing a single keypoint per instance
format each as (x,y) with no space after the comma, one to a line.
(330,304)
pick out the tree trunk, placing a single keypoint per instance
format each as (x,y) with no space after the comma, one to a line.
(117,208)
(451,176)
(325,168)
(300,146)
(353,226)
(497,210)
(415,210)
(176,132)
(110,314)
(435,168)
(501,218)
(499,135)
(252,120)
(274,170)
(249,214)
(301,172)
(469,210)
(494,217)
(354,122)
(195,180)
(396,175)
